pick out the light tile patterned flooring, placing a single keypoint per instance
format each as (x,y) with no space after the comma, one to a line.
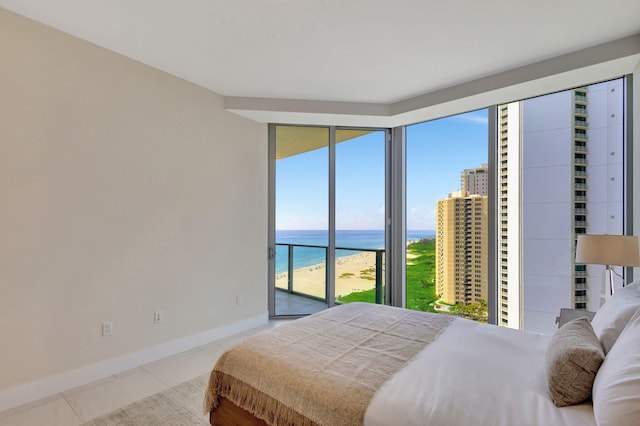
(292,304)
(87,402)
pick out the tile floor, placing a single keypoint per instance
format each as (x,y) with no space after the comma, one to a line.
(87,402)
(292,304)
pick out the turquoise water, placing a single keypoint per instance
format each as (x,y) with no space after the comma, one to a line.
(307,256)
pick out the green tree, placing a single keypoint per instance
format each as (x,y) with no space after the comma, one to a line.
(473,311)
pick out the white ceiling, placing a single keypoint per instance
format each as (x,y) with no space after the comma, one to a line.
(376,52)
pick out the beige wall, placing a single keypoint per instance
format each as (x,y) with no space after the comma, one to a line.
(122,190)
(636,158)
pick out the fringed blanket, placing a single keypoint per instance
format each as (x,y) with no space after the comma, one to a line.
(323,369)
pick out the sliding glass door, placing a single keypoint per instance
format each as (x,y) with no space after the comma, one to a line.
(360,216)
(328,208)
(301,219)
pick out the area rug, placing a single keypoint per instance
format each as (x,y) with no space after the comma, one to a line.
(178,406)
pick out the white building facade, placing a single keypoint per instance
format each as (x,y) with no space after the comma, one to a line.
(560,174)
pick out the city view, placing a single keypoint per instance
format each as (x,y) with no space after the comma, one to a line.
(561,188)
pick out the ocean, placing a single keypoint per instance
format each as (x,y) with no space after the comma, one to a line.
(356,239)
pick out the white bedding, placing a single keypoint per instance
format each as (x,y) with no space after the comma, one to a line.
(475,374)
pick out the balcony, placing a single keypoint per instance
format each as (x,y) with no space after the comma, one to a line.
(296,298)
(580,286)
(581,98)
(293,304)
(581,136)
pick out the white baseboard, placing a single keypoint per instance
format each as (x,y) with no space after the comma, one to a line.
(43,388)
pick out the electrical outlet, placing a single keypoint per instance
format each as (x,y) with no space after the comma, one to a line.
(158,316)
(107,329)
(239,299)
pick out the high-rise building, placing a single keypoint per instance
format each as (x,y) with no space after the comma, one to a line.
(509,297)
(461,248)
(475,181)
(560,174)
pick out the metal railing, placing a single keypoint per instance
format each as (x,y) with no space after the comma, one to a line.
(290,269)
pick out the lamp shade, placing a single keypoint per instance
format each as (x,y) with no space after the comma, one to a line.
(618,250)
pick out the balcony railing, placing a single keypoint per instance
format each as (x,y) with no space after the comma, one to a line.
(580,286)
(379,288)
(582,136)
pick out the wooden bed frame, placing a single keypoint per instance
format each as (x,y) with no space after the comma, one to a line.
(228,413)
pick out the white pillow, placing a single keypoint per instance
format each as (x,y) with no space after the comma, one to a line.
(616,389)
(612,317)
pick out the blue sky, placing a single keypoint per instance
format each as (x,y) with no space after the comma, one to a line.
(437,151)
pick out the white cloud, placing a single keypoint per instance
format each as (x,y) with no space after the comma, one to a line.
(474,118)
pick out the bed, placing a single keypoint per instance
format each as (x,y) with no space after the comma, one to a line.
(378,365)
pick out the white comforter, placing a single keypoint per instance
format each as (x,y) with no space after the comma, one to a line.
(475,374)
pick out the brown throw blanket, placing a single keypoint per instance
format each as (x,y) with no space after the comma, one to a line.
(323,369)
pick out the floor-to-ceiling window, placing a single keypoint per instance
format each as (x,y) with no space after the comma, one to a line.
(360,216)
(301,219)
(329,212)
(561,174)
(556,170)
(447,177)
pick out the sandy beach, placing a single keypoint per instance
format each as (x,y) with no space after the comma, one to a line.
(351,275)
